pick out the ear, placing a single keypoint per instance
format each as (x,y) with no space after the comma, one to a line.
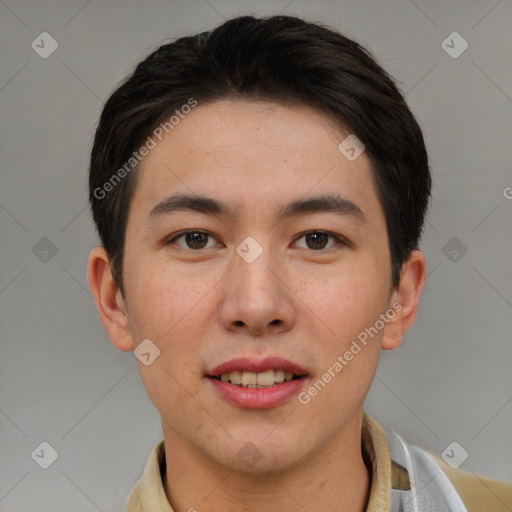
(110,304)
(405,299)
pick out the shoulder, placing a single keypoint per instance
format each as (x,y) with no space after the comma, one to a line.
(479,494)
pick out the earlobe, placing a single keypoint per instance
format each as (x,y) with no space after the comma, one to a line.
(110,304)
(407,296)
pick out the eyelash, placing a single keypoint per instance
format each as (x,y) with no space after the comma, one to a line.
(342,241)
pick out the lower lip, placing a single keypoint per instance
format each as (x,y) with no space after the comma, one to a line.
(257,398)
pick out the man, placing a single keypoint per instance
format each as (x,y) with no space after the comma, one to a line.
(260,192)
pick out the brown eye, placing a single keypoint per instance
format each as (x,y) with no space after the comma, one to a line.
(317,240)
(193,239)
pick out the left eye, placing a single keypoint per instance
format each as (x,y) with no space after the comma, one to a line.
(315,240)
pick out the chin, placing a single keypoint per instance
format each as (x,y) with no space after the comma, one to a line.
(259,455)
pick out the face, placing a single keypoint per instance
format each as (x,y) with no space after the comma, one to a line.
(210,286)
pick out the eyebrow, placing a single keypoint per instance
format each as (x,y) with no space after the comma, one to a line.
(327,203)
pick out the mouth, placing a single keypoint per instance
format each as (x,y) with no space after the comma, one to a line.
(253,384)
(261,380)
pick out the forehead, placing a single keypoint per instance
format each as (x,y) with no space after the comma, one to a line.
(253,156)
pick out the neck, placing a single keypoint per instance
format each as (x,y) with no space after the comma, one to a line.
(335,478)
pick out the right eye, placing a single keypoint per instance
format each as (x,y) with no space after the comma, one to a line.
(194,240)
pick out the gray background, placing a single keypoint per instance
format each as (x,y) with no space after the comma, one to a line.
(61,380)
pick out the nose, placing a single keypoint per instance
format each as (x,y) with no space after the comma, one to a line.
(256,296)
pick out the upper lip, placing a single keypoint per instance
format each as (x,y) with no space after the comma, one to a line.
(248,364)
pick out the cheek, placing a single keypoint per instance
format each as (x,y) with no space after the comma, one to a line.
(347,302)
(168,307)
(157,299)
(349,307)
(165,310)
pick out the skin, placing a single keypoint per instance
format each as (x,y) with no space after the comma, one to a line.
(205,306)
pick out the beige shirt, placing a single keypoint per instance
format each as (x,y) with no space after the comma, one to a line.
(478,494)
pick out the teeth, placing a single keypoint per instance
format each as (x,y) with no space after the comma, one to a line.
(265,378)
(279,375)
(235,377)
(248,378)
(257,380)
